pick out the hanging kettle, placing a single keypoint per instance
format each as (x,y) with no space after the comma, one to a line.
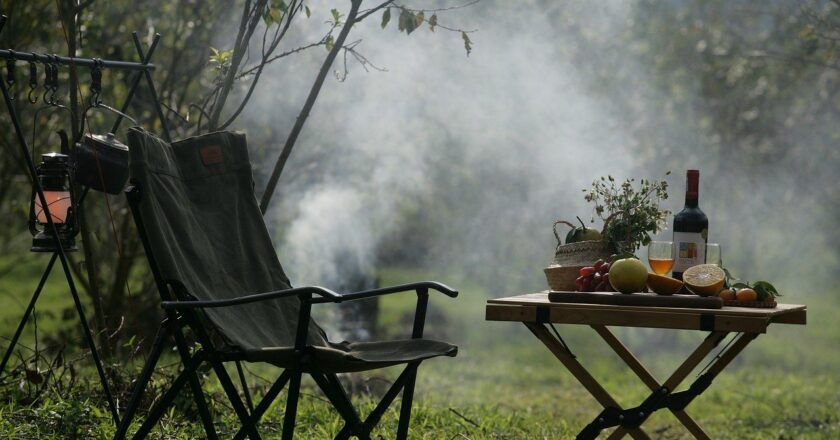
(101,163)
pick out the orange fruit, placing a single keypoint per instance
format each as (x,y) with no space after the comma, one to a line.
(704,279)
(727,295)
(663,285)
(746,295)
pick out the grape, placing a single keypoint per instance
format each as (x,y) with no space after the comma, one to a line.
(598,265)
(587,285)
(606,268)
(587,271)
(596,278)
(579,281)
(600,287)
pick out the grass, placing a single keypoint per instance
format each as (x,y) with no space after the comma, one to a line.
(503,385)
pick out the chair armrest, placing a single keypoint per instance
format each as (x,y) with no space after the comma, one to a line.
(433,285)
(324,293)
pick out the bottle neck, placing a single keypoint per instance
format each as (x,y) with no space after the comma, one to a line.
(691,201)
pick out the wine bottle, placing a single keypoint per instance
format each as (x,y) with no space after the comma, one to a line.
(691,229)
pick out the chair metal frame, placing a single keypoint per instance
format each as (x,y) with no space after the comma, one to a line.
(180,309)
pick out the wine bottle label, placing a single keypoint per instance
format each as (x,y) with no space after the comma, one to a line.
(690,250)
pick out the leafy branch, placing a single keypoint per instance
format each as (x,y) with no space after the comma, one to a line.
(630,215)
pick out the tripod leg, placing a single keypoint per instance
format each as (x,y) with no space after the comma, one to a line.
(93,351)
(27,313)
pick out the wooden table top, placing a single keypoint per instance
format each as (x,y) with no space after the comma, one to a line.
(535,307)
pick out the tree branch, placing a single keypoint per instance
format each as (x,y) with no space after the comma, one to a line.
(307,107)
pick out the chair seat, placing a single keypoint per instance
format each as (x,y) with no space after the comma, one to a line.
(347,357)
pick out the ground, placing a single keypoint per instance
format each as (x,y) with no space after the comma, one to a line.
(502,385)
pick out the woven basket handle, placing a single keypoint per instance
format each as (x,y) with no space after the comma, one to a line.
(557,236)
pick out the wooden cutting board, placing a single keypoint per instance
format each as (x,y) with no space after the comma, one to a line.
(637,299)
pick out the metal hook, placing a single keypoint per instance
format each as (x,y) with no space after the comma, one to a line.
(33,82)
(96,83)
(54,82)
(47,82)
(10,69)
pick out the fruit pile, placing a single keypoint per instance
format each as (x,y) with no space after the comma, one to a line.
(595,278)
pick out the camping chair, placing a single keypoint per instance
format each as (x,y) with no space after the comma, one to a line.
(218,276)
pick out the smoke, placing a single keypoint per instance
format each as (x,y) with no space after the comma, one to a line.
(463,163)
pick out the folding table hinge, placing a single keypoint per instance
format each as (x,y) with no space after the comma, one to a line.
(543,315)
(609,417)
(678,401)
(634,417)
(628,418)
(707,322)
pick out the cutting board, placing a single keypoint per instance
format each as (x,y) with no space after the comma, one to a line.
(637,299)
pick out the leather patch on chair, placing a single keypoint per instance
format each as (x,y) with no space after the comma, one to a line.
(211,155)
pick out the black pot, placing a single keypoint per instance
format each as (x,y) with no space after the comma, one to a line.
(101,163)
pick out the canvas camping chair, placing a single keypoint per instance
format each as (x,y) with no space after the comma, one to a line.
(218,276)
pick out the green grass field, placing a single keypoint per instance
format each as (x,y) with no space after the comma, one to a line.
(502,385)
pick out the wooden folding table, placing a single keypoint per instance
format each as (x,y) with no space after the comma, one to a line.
(535,311)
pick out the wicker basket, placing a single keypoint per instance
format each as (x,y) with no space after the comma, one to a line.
(582,253)
(569,259)
(562,279)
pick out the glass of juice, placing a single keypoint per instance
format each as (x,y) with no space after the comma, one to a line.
(661,256)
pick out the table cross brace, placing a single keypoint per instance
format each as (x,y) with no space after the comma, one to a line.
(629,420)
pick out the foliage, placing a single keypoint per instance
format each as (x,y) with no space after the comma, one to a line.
(763,289)
(630,215)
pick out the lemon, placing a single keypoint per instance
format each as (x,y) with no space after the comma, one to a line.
(704,279)
(663,285)
(628,275)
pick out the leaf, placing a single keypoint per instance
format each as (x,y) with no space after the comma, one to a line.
(740,285)
(408,22)
(336,15)
(432,22)
(764,285)
(467,42)
(276,15)
(330,43)
(308,12)
(419,18)
(386,17)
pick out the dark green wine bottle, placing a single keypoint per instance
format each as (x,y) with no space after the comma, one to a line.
(691,229)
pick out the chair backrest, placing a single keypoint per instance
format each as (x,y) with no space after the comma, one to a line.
(203,228)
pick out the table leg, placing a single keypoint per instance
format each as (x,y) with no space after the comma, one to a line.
(652,383)
(580,373)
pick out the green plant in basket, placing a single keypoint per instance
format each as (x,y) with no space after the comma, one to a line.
(630,213)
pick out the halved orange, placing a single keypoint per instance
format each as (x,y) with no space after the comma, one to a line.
(663,285)
(704,279)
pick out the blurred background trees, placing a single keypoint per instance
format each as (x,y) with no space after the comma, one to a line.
(746,91)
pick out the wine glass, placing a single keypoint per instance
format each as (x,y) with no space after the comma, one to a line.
(661,256)
(713,255)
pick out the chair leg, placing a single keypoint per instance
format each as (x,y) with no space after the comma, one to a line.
(167,398)
(332,388)
(245,390)
(235,401)
(195,387)
(143,381)
(407,398)
(266,401)
(373,418)
(291,406)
